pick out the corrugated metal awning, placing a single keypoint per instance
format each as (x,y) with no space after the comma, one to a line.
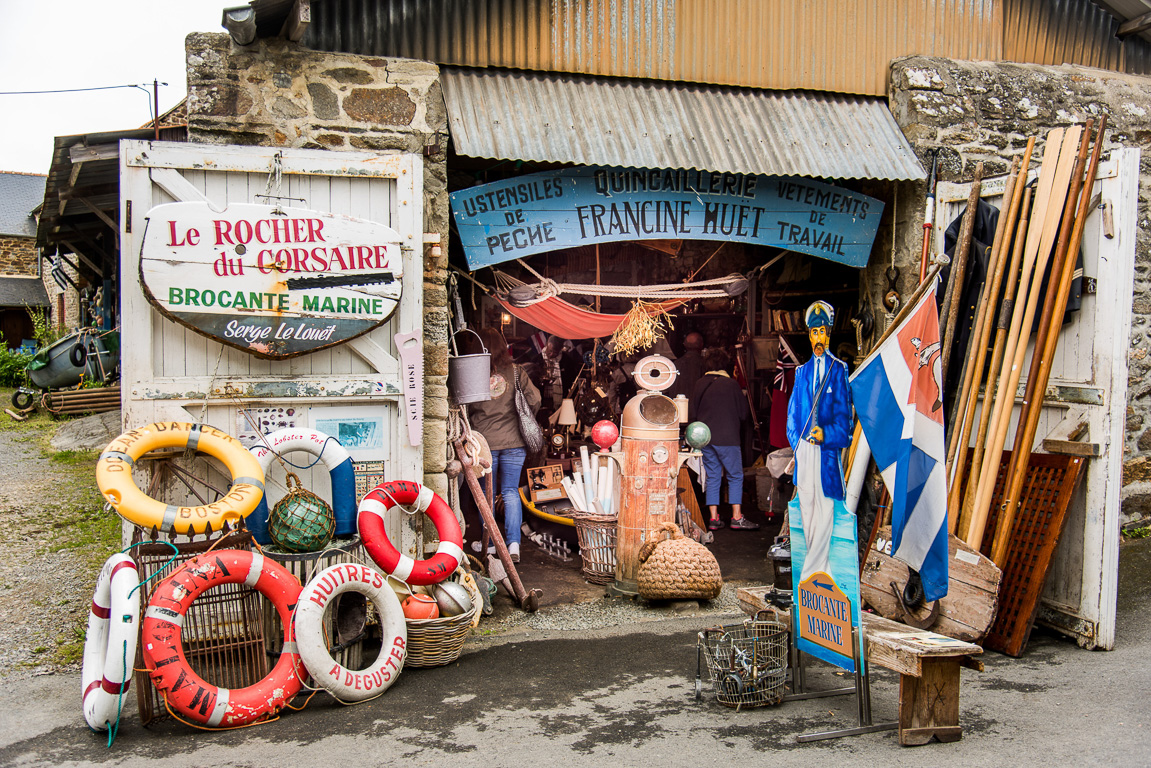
(558,118)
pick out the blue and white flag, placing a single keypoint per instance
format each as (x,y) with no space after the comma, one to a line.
(898,396)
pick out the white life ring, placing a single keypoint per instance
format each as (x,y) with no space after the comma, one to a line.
(345,684)
(334,456)
(110,645)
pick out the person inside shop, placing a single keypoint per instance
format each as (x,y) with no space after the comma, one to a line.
(819,425)
(689,364)
(499,422)
(561,365)
(719,403)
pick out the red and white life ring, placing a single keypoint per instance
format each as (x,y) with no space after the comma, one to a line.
(450,552)
(345,684)
(110,645)
(164,655)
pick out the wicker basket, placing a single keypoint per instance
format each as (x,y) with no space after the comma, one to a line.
(435,642)
(677,568)
(597,536)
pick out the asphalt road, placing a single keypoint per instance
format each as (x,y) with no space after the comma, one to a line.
(627,698)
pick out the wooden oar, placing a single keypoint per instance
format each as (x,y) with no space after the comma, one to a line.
(1050,325)
(996,264)
(990,391)
(963,413)
(1048,206)
(959,271)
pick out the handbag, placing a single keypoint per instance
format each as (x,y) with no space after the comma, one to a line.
(529,428)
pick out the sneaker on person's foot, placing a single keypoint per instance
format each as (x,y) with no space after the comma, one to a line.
(714,524)
(743,524)
(514,551)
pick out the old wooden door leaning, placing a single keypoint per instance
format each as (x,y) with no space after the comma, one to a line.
(172,372)
(1088,386)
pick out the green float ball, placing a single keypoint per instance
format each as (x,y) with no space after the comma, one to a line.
(697,434)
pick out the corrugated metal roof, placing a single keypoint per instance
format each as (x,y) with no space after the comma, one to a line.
(20,194)
(649,124)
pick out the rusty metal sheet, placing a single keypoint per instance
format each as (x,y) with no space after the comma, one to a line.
(624,123)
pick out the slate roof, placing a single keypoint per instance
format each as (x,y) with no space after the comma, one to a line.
(21,291)
(20,194)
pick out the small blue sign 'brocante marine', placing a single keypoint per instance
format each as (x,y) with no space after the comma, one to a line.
(569,207)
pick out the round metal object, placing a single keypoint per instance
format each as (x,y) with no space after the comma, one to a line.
(655,373)
(697,434)
(659,454)
(452,598)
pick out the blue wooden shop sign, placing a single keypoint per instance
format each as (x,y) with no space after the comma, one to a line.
(580,206)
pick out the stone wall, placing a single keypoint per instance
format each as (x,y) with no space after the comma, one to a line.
(276,93)
(17,256)
(985,111)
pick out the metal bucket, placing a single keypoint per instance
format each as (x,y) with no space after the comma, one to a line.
(469,376)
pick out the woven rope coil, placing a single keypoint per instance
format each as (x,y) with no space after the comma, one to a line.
(677,567)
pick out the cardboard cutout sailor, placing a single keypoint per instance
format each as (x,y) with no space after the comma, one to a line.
(819,425)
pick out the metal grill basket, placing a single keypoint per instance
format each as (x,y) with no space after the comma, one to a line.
(746,663)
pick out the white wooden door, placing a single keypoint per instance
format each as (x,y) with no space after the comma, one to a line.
(170,372)
(1089,373)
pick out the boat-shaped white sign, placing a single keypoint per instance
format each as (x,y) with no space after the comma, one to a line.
(275,282)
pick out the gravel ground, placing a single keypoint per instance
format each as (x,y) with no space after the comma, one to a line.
(47,575)
(46,581)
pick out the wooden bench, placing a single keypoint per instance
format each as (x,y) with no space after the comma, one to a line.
(928,665)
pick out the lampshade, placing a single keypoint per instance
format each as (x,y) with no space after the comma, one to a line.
(567,415)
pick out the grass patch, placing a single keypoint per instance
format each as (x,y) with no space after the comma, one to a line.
(38,421)
(85,458)
(1142,532)
(69,648)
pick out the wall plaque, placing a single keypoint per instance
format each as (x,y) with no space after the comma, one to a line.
(275,282)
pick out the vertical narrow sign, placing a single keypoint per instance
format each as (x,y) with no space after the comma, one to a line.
(412,373)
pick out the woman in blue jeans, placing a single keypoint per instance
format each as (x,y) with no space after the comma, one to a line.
(720,403)
(498,421)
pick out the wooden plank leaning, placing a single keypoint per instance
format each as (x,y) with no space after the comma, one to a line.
(1048,206)
(1050,324)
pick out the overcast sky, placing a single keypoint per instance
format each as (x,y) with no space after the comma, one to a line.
(56,44)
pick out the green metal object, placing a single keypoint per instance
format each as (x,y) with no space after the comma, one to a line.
(697,434)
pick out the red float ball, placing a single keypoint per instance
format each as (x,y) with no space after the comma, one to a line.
(604,434)
(420,607)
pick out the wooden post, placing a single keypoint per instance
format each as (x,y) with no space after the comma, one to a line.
(1049,327)
(959,272)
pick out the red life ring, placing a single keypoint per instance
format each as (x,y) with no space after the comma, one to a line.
(164,655)
(449,553)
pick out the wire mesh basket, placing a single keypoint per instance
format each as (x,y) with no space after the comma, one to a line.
(597,538)
(746,663)
(222,633)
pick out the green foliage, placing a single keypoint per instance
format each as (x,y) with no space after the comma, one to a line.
(45,331)
(12,367)
(1143,532)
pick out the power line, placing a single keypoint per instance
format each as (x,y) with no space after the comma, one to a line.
(74,90)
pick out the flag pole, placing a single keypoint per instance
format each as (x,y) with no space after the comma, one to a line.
(927,283)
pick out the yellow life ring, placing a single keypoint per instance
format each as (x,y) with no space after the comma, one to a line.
(114,477)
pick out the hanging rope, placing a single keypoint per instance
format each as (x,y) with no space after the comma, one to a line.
(720,287)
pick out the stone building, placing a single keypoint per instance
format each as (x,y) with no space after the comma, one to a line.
(20,277)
